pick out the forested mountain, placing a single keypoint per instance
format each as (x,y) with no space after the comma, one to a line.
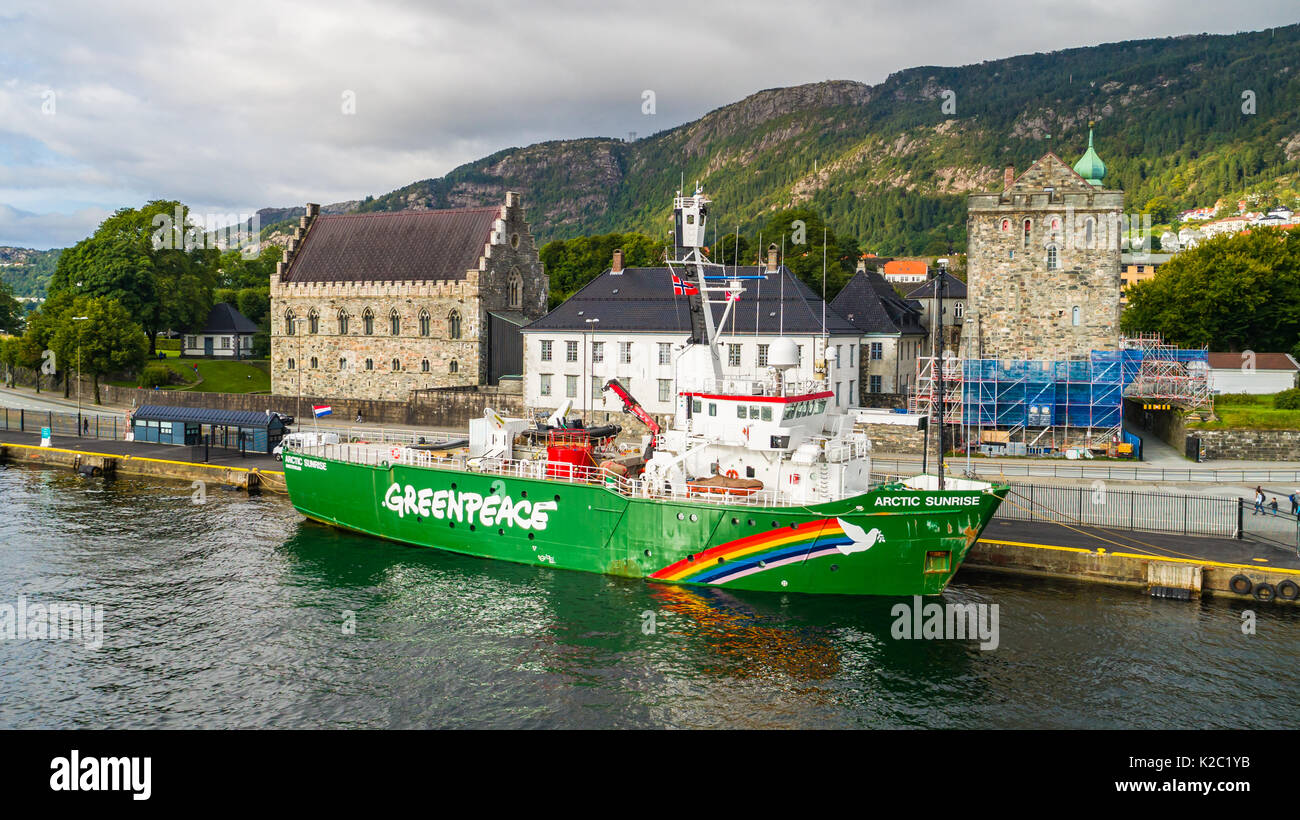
(1192,119)
(27,271)
(887,166)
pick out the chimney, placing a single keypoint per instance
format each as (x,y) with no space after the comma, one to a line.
(771,258)
(312,210)
(617,267)
(1008,177)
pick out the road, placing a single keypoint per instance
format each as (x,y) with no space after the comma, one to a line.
(23,399)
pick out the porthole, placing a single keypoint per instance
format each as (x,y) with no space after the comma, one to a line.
(532,535)
(681,517)
(750,522)
(647,553)
(451,525)
(694,517)
(735,521)
(501,532)
(557,499)
(690,559)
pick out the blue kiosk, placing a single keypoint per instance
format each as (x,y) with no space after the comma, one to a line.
(245,430)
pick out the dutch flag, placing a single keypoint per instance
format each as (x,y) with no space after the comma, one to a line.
(319,410)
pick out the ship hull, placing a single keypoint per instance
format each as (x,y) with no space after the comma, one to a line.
(890,541)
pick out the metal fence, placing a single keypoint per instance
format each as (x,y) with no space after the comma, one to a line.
(997,469)
(88,425)
(1123,509)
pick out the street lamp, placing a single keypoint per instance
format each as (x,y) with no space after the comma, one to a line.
(79,319)
(586,375)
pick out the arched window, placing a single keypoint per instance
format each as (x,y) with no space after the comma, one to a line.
(1006,225)
(1087,232)
(1027,225)
(370,364)
(453,325)
(315,363)
(454,367)
(424,366)
(516,290)
(368,322)
(343,322)
(343,364)
(424,322)
(394,322)
(1074,316)
(1053,261)
(288,322)
(397,365)
(291,364)
(313,321)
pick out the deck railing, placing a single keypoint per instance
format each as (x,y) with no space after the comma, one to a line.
(375,455)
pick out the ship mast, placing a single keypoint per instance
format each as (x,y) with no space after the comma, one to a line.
(690,218)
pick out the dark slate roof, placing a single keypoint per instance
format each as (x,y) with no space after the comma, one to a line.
(403,246)
(225,319)
(925,290)
(645,302)
(873,306)
(205,415)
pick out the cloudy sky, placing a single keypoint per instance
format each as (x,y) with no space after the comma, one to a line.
(240,105)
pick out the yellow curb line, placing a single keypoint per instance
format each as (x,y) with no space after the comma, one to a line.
(138,458)
(1148,557)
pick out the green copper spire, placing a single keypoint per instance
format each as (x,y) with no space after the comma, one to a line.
(1090,166)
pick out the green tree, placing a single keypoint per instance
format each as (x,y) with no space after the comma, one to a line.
(11,312)
(106,341)
(157,270)
(1233,293)
(10,348)
(572,263)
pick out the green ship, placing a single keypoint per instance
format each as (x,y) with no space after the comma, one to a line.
(754,486)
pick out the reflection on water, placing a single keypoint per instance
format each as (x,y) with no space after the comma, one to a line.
(237,613)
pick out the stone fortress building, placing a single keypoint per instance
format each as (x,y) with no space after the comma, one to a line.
(376,305)
(1043,264)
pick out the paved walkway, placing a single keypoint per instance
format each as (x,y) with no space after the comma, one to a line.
(1191,548)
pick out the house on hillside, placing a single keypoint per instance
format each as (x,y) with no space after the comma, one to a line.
(226,334)
(953,297)
(377,305)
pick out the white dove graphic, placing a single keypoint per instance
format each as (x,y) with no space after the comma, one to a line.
(862,540)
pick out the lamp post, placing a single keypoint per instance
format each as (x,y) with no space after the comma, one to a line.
(79,319)
(586,374)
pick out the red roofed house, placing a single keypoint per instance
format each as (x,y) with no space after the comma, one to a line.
(375,305)
(906,270)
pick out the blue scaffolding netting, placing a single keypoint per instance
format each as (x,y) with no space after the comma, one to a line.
(1020,393)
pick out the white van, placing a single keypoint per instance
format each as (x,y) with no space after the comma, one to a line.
(297,441)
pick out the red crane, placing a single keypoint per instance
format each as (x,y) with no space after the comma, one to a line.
(634,407)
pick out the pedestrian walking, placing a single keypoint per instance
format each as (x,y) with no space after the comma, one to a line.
(1294,498)
(1259,501)
(85,427)
(1273,505)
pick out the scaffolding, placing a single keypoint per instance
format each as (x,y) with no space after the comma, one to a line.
(1041,407)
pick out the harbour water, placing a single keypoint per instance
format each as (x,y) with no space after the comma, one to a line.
(236,613)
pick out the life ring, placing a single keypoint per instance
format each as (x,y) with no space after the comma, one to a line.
(1241,585)
(732,474)
(1264,592)
(1288,590)
(396,453)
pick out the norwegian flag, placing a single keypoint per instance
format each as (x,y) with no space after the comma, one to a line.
(681,288)
(733,296)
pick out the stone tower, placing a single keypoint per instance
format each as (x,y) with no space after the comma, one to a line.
(1043,263)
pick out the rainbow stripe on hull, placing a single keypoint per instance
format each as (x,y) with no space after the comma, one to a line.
(756,553)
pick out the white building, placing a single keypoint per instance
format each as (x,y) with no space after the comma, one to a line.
(1258,373)
(628,324)
(226,334)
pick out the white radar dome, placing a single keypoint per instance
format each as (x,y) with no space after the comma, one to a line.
(784,354)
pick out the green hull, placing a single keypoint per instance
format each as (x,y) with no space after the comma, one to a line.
(890,541)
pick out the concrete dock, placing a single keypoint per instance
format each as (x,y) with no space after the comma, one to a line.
(1161,562)
(116,457)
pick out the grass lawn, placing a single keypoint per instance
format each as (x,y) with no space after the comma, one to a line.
(218,376)
(1254,412)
